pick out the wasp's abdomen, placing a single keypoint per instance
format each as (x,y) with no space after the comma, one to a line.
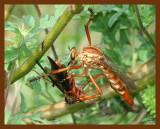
(118,85)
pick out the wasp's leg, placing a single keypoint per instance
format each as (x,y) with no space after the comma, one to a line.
(65,69)
(84,74)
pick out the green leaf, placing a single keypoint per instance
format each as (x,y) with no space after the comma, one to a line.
(17,120)
(59,9)
(145,52)
(125,8)
(123,37)
(147,13)
(99,23)
(23,106)
(113,19)
(143,55)
(46,21)
(9,56)
(9,26)
(29,21)
(113,55)
(28,96)
(36,86)
(102,8)
(12,40)
(149,99)
(7,116)
(11,65)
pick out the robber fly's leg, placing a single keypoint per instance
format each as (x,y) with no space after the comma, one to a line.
(65,69)
(84,74)
(61,70)
(88,97)
(98,93)
(95,77)
(98,89)
(87,27)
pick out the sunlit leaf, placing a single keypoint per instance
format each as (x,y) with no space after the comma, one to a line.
(46,21)
(23,107)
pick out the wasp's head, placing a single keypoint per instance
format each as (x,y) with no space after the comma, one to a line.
(73,56)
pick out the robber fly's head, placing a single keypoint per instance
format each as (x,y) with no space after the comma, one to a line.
(73,55)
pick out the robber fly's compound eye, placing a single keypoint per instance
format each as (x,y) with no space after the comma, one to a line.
(73,56)
(73,53)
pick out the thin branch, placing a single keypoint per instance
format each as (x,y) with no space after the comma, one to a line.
(142,27)
(140,117)
(50,38)
(37,10)
(54,111)
(39,15)
(54,52)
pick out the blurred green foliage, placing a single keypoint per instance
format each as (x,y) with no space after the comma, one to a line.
(121,40)
(149,101)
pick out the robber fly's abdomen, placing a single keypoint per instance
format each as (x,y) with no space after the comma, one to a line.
(117,84)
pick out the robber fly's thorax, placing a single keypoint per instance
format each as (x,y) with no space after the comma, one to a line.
(91,57)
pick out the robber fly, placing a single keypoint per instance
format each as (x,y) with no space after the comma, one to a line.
(93,58)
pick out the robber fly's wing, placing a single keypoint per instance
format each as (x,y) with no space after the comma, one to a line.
(117,69)
(120,72)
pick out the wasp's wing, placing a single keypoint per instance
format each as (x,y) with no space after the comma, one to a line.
(62,78)
(53,64)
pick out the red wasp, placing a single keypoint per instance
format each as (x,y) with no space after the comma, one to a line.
(65,83)
(93,58)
